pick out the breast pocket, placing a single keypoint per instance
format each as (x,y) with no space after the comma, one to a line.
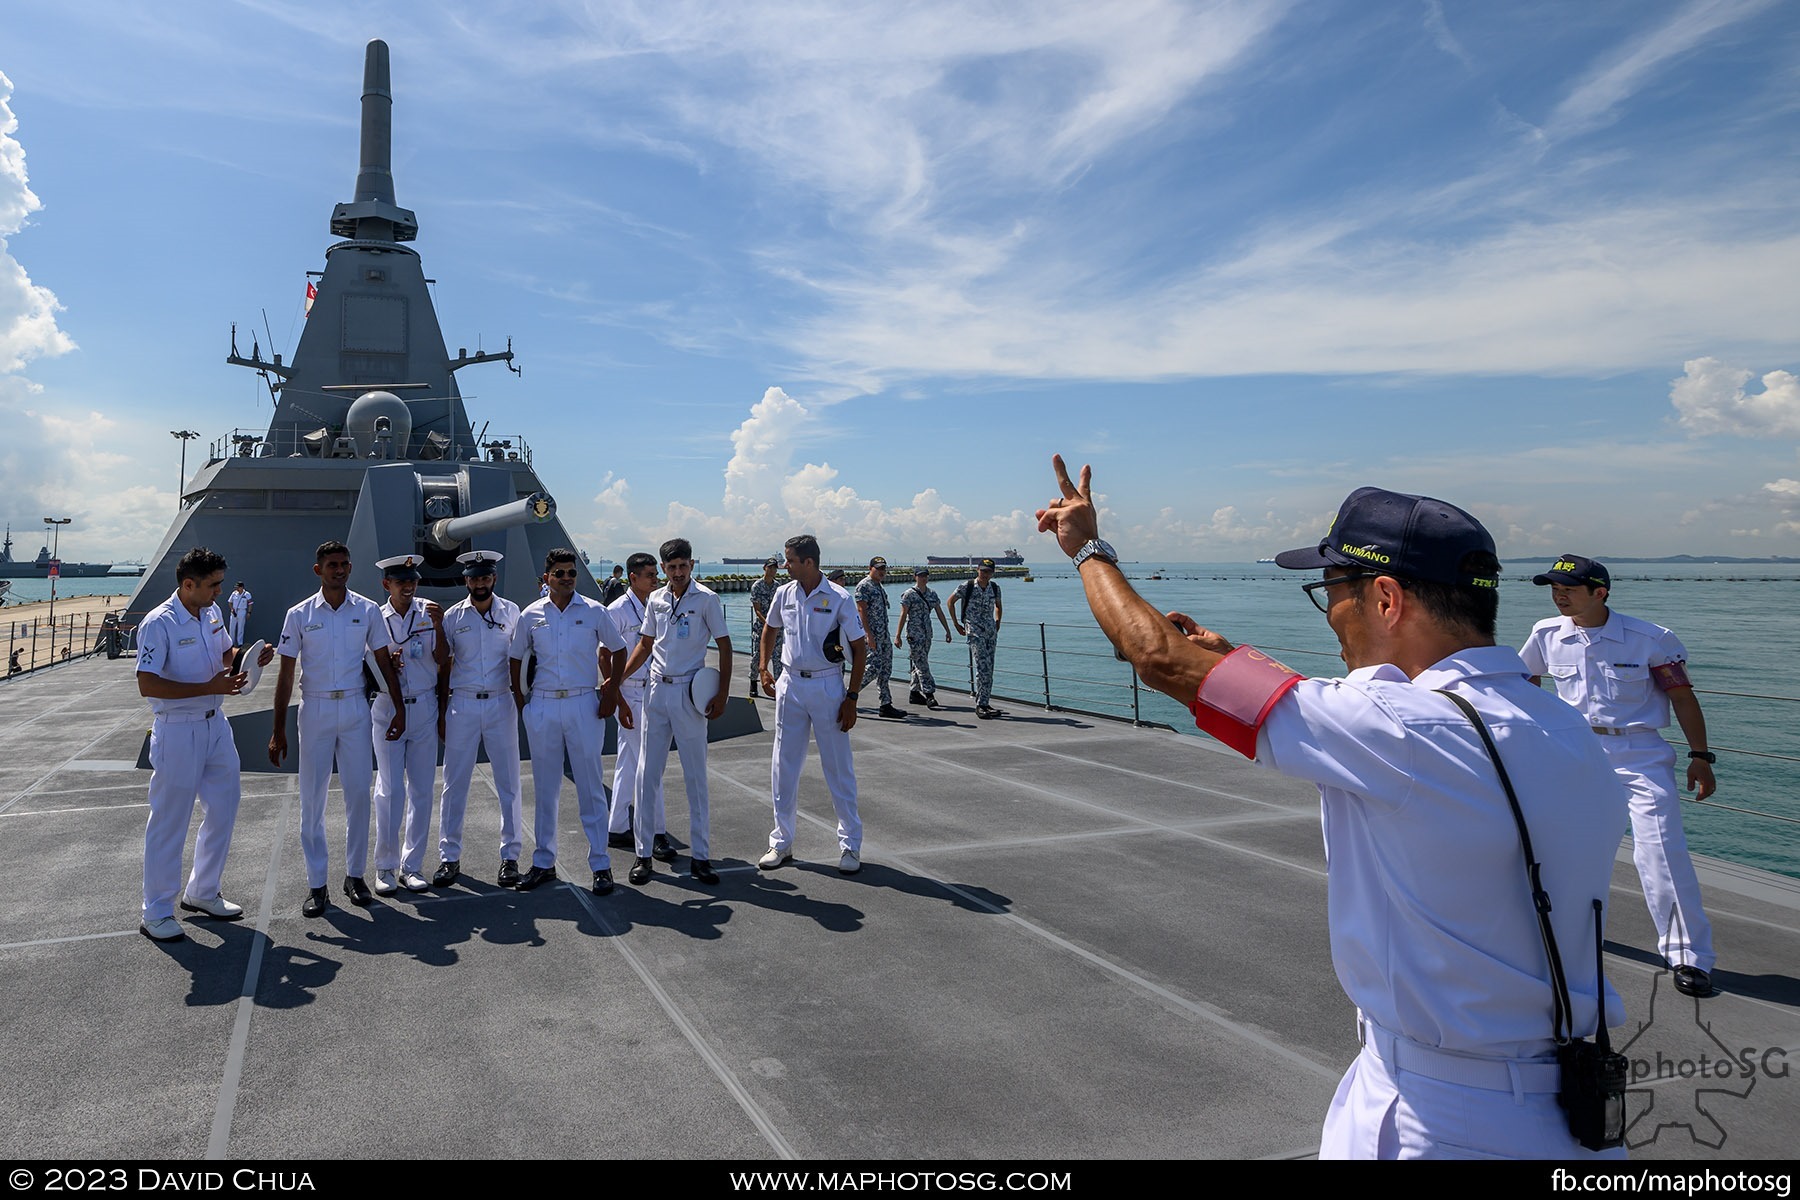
(1627,685)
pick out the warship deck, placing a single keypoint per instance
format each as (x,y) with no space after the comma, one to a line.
(1073,939)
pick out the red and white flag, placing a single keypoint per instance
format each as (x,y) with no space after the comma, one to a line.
(312,293)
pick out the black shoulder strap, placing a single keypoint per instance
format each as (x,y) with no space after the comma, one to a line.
(1559,984)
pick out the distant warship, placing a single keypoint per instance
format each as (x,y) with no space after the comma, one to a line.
(39,567)
(369,443)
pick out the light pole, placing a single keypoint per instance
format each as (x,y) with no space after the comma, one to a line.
(184,436)
(55,524)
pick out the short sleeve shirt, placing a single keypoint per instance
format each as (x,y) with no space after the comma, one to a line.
(414,648)
(239,602)
(1433,931)
(480,644)
(175,645)
(1605,670)
(627,613)
(329,643)
(682,629)
(567,642)
(806,617)
(874,597)
(762,594)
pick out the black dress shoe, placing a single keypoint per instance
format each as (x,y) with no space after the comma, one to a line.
(931,702)
(357,890)
(702,870)
(509,873)
(663,849)
(536,877)
(603,881)
(888,710)
(1692,981)
(915,696)
(316,903)
(987,712)
(620,841)
(446,873)
(640,872)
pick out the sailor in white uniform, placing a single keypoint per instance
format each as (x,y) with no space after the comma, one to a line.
(326,635)
(478,632)
(185,669)
(679,622)
(240,602)
(406,767)
(1434,924)
(573,641)
(627,613)
(818,620)
(1625,675)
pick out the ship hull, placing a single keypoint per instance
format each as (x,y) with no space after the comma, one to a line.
(69,570)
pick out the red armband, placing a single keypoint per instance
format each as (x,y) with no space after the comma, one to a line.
(1670,676)
(1234,699)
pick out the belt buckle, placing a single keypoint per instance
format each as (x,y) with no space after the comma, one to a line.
(336,695)
(562,693)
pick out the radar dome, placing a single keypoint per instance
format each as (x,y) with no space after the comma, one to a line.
(379,418)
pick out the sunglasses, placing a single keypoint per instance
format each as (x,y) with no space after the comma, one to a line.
(562,574)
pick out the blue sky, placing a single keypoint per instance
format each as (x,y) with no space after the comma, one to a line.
(859,270)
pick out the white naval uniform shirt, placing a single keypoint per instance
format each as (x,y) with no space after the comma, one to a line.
(176,645)
(240,603)
(1605,671)
(414,643)
(627,613)
(567,642)
(480,645)
(806,617)
(682,629)
(330,642)
(1433,931)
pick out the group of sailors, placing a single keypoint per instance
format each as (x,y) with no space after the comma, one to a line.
(406,675)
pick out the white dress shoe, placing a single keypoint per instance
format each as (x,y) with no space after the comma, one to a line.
(412,881)
(163,929)
(217,906)
(850,863)
(385,883)
(774,858)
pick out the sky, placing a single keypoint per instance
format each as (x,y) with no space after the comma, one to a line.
(860,270)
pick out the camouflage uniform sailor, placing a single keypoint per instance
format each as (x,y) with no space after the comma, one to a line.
(762,594)
(872,607)
(917,603)
(980,598)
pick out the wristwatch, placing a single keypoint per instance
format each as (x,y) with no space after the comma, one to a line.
(853,694)
(1095,548)
(1705,756)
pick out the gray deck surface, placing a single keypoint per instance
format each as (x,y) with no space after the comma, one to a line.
(1072,939)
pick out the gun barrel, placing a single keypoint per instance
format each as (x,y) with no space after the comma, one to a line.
(451,532)
(375,177)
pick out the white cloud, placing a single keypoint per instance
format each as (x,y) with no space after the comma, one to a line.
(1710,398)
(28,327)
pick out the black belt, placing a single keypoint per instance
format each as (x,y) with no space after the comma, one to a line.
(825,673)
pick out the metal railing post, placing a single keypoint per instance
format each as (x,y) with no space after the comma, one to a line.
(1134,698)
(1044,649)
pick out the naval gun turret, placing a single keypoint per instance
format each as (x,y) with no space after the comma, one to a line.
(369,443)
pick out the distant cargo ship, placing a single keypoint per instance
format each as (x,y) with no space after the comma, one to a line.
(740,562)
(1012,558)
(39,568)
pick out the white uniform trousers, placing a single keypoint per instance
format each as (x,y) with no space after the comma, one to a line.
(1387,1111)
(627,758)
(552,727)
(189,757)
(671,719)
(237,628)
(1659,845)
(405,779)
(469,724)
(804,706)
(334,729)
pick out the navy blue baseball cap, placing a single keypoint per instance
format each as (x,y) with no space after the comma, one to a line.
(1572,568)
(1396,534)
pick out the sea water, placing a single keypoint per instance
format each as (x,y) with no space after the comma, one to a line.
(1737,621)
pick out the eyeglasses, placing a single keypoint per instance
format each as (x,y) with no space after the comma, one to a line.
(562,574)
(1317,589)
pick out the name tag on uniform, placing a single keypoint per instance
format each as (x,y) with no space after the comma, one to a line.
(310,629)
(187,641)
(464,628)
